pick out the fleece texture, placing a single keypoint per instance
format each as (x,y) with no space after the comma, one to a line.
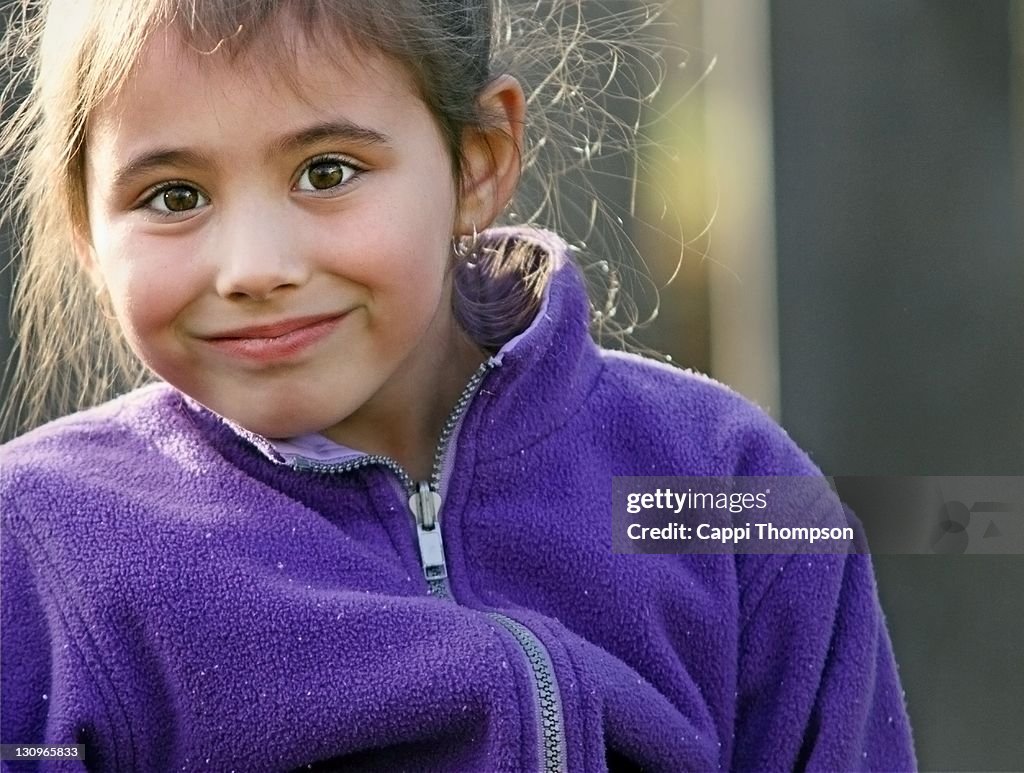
(178,596)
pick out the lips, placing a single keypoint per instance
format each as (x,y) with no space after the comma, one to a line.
(276,341)
(274,329)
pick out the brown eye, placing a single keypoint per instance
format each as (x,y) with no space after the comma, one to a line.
(176,198)
(325,174)
(181,199)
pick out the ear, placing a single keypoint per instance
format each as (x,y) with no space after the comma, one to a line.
(87,257)
(493,156)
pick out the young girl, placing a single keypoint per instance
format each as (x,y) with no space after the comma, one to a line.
(361,519)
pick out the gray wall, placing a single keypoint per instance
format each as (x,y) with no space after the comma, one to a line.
(901,297)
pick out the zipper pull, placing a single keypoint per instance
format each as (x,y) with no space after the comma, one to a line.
(424,505)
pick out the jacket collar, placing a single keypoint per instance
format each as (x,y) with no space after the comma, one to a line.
(546,372)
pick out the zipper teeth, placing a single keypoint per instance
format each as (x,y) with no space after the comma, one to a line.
(453,421)
(550,714)
(439,589)
(358,464)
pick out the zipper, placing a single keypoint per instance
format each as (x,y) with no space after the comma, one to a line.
(425,505)
(551,735)
(424,496)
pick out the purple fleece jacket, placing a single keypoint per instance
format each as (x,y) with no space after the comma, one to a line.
(179,595)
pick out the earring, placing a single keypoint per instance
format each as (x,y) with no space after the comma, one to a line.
(465,247)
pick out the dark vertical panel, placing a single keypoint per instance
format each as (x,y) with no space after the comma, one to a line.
(901,295)
(901,278)
(6,274)
(6,342)
(8,8)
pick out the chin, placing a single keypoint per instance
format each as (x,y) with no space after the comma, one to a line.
(277,424)
(277,428)
(284,411)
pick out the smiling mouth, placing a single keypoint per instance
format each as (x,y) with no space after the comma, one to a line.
(273,330)
(276,341)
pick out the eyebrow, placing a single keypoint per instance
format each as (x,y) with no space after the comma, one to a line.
(143,164)
(339,131)
(345,131)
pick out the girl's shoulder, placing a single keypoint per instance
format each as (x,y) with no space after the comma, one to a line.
(121,432)
(705,426)
(96,475)
(650,415)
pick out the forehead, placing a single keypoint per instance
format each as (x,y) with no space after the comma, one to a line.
(279,75)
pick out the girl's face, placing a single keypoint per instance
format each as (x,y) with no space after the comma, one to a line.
(277,253)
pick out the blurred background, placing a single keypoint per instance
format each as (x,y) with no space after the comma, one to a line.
(862,278)
(831,213)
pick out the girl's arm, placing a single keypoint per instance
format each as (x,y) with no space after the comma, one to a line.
(34,703)
(818,688)
(25,651)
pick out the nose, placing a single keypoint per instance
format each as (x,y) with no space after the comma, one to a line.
(257,256)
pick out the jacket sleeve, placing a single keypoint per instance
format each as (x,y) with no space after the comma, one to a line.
(24,651)
(31,711)
(817,685)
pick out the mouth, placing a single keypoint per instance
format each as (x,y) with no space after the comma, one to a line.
(273,329)
(276,340)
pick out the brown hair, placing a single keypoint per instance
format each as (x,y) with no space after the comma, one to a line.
(75,53)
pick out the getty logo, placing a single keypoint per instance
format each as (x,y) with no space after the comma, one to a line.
(950,533)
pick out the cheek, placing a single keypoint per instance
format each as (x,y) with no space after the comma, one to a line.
(146,288)
(409,306)
(410,293)
(403,261)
